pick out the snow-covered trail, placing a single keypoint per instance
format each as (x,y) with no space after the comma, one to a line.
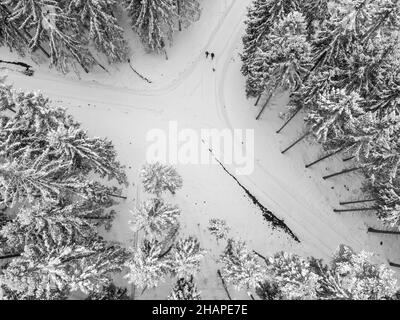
(200,98)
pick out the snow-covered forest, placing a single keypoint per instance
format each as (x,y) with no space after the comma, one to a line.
(85,86)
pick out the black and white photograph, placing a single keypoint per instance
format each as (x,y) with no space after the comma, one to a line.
(167,151)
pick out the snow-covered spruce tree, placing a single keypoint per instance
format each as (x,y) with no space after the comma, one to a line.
(283,59)
(332,112)
(240,266)
(185,289)
(34,180)
(158,178)
(185,257)
(360,140)
(262,15)
(187,11)
(52,273)
(10,36)
(385,18)
(386,100)
(155,218)
(336,36)
(153,20)
(97,17)
(359,279)
(47,22)
(89,155)
(47,226)
(387,200)
(110,292)
(218,228)
(148,265)
(315,12)
(294,276)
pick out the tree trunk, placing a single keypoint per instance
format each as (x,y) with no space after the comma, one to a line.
(178,5)
(96,218)
(356,201)
(348,159)
(10,256)
(265,105)
(296,142)
(392,264)
(224,284)
(290,119)
(258,99)
(355,209)
(372,230)
(261,256)
(117,196)
(323,158)
(341,172)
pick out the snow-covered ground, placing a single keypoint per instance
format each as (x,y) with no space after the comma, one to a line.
(121,106)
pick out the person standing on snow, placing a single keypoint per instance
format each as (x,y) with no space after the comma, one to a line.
(212,55)
(207,53)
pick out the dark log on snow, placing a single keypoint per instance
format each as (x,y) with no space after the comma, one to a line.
(392,264)
(141,76)
(323,158)
(341,172)
(258,99)
(296,142)
(372,230)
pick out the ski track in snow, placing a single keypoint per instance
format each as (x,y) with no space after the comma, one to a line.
(298,202)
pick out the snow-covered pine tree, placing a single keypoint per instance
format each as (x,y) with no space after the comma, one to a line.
(27,128)
(52,273)
(97,17)
(158,178)
(147,265)
(386,100)
(185,257)
(187,11)
(387,201)
(155,218)
(240,266)
(284,55)
(336,36)
(366,135)
(261,17)
(153,20)
(385,18)
(332,112)
(10,36)
(294,276)
(359,278)
(34,180)
(315,12)
(46,226)
(185,289)
(89,155)
(48,22)
(218,228)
